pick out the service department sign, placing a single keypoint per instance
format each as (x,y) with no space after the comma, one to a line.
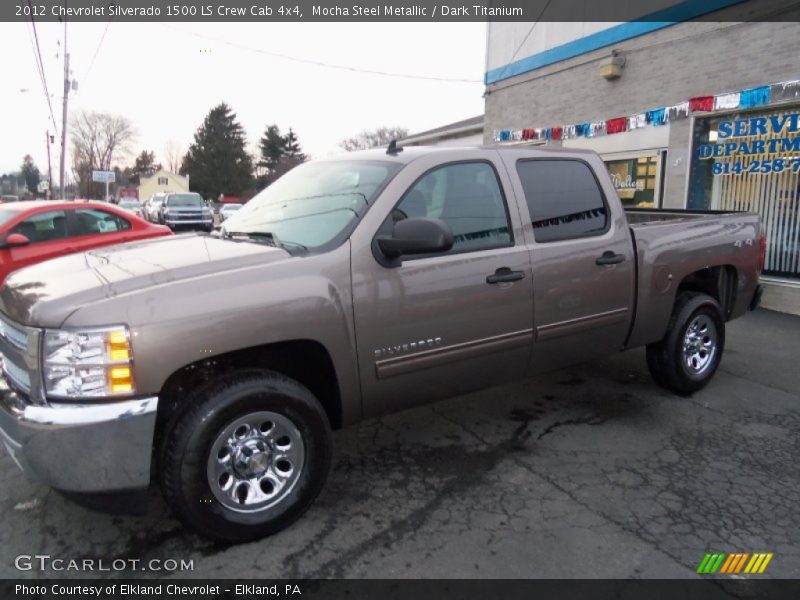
(755,145)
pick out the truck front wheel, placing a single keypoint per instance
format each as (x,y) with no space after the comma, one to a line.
(688,355)
(247,457)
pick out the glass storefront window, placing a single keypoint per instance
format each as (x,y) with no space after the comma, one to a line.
(636,180)
(750,161)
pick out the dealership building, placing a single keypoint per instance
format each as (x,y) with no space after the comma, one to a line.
(686,113)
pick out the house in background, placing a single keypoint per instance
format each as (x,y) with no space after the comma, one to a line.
(162,181)
(468,132)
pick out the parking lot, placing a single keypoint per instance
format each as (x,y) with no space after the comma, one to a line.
(587,472)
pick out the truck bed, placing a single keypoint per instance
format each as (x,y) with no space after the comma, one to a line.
(671,245)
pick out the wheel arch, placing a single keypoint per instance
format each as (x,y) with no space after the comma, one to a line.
(654,307)
(307,361)
(720,282)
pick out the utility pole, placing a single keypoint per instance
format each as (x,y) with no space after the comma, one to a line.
(49,140)
(64,117)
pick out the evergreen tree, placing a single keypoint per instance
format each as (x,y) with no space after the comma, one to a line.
(292,146)
(217,161)
(279,154)
(31,174)
(272,146)
(144,165)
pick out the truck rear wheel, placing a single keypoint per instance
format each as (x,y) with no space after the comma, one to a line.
(687,357)
(247,457)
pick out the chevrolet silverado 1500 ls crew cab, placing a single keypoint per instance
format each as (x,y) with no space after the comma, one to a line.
(349,288)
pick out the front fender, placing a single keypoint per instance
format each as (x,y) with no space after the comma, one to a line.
(182,322)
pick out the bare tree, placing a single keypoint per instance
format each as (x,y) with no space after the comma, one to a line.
(373,138)
(97,139)
(173,156)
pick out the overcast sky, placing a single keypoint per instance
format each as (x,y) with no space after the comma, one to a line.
(166,77)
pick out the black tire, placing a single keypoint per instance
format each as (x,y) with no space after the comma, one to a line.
(187,444)
(668,365)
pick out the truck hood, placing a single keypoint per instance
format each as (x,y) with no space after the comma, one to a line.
(44,295)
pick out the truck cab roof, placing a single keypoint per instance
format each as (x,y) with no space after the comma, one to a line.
(410,153)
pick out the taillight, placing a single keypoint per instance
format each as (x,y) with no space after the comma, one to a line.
(762,252)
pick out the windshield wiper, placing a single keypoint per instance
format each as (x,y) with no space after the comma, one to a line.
(259,236)
(265,236)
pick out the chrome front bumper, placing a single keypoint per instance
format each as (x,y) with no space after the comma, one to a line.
(80,447)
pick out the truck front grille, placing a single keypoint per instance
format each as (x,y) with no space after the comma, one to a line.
(13,334)
(17,376)
(14,341)
(187,216)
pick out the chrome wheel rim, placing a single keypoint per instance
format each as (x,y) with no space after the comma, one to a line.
(699,345)
(255,461)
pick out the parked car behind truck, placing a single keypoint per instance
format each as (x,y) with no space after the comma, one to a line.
(186,210)
(152,207)
(228,210)
(349,288)
(35,231)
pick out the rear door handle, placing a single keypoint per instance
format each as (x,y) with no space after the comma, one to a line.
(504,275)
(609,258)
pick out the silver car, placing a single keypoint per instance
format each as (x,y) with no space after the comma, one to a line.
(227,210)
(131,205)
(152,208)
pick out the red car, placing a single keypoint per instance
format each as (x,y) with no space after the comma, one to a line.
(32,232)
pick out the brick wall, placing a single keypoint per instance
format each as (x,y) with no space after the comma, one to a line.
(663,67)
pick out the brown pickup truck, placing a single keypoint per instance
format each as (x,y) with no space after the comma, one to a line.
(349,288)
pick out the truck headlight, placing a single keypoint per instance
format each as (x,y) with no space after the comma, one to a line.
(89,363)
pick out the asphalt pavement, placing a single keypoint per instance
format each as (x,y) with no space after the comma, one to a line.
(591,471)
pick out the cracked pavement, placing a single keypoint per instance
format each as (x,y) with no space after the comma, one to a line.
(592,471)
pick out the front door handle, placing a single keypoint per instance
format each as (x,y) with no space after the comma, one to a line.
(504,275)
(609,258)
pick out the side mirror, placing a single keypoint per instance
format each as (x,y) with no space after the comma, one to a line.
(14,240)
(414,236)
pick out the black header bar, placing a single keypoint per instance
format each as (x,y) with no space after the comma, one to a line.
(701,588)
(397,10)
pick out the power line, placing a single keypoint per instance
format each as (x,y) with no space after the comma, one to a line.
(97,50)
(37,54)
(527,35)
(326,65)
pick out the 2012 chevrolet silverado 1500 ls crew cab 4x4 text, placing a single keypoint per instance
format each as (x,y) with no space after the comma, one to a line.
(349,288)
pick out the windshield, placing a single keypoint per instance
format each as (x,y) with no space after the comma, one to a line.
(313,203)
(5,215)
(184,200)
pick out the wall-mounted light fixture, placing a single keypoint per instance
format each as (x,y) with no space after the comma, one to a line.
(611,67)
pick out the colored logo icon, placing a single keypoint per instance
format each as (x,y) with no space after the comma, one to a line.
(734,563)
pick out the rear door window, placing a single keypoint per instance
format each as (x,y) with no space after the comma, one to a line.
(90,221)
(43,227)
(564,199)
